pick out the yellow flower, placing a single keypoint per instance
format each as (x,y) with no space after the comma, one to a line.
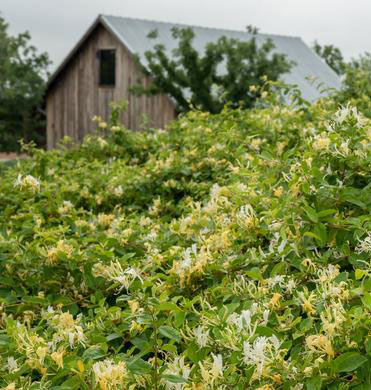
(321,143)
(58,357)
(105,219)
(134,305)
(11,386)
(80,366)
(62,247)
(274,302)
(255,143)
(307,302)
(66,321)
(320,344)
(278,191)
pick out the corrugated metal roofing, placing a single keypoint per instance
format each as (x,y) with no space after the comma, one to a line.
(133,33)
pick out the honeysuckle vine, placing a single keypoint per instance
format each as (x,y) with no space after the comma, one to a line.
(230,251)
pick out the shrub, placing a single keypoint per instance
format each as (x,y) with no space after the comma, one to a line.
(230,252)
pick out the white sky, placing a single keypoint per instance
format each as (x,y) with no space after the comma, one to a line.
(56,25)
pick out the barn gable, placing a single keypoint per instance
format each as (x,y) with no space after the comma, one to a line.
(74,94)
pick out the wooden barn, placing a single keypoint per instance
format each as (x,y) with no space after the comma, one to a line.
(102,68)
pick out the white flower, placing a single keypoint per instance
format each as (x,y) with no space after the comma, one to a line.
(178,368)
(242,321)
(246,216)
(12,364)
(261,352)
(290,285)
(342,114)
(107,372)
(50,309)
(275,342)
(28,181)
(365,245)
(215,191)
(265,316)
(217,367)
(278,279)
(328,274)
(281,247)
(71,338)
(66,207)
(187,258)
(202,336)
(127,277)
(118,191)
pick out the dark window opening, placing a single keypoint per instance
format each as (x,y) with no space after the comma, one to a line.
(107,67)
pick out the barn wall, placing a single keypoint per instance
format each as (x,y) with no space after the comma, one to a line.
(75,96)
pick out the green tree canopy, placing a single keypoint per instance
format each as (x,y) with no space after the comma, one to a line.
(356,89)
(332,56)
(22,81)
(228,71)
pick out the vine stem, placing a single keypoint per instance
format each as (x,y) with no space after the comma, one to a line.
(155,350)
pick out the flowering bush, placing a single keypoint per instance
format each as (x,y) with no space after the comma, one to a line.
(231,251)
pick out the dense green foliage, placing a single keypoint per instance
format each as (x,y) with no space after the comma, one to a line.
(22,83)
(195,79)
(356,77)
(357,84)
(230,252)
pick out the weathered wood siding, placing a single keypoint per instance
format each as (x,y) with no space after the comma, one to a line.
(75,96)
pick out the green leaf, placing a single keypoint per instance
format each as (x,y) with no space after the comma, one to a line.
(312,235)
(264,331)
(357,202)
(170,333)
(366,300)
(265,155)
(169,348)
(311,213)
(195,353)
(93,353)
(325,213)
(71,383)
(174,379)
(368,346)
(167,306)
(348,362)
(359,274)
(255,273)
(4,340)
(138,366)
(278,269)
(314,383)
(321,231)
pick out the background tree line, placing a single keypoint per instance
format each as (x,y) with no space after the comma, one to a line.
(23,73)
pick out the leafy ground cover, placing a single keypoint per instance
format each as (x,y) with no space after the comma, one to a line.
(231,251)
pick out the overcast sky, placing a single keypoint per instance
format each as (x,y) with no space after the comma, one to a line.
(56,25)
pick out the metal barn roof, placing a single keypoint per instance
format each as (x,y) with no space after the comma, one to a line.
(133,33)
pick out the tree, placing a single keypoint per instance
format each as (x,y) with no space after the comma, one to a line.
(229,71)
(356,88)
(332,56)
(22,82)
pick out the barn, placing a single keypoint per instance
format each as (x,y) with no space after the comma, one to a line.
(102,68)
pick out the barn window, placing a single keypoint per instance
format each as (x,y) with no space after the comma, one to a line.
(107,67)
